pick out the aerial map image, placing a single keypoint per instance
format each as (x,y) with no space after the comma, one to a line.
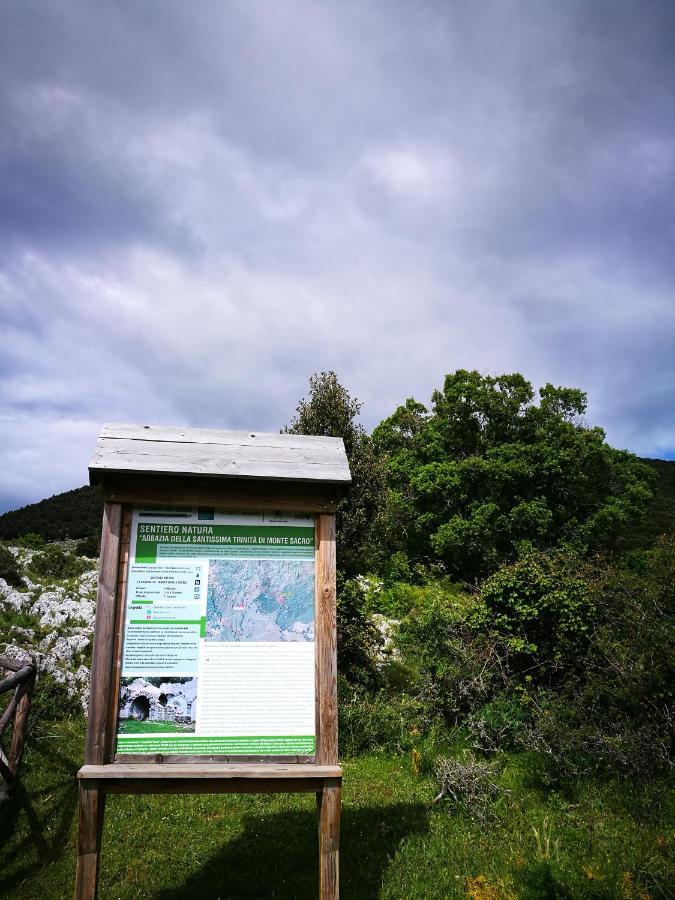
(260,600)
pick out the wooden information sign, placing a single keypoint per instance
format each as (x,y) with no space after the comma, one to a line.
(214,666)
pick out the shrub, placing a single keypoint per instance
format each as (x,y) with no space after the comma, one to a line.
(453,666)
(615,716)
(397,567)
(499,724)
(31,541)
(56,562)
(89,546)
(52,702)
(9,569)
(377,721)
(583,731)
(543,607)
(358,640)
(398,599)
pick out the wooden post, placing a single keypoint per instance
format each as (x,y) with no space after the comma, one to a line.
(329,799)
(329,842)
(20,682)
(20,725)
(327,747)
(102,663)
(116,668)
(89,829)
(97,749)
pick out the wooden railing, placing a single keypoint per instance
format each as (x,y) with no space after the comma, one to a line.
(21,680)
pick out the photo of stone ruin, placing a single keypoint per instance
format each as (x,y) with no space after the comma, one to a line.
(163,704)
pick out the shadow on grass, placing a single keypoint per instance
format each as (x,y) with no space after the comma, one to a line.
(22,827)
(537,882)
(277,857)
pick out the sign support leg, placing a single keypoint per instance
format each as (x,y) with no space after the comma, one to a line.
(328,802)
(90,827)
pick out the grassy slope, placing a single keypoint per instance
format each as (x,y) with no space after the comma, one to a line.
(395,844)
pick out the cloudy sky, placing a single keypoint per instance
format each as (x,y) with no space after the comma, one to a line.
(203,203)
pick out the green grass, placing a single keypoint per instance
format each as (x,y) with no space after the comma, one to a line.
(614,840)
(131,726)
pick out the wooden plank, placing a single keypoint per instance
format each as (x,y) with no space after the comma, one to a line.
(214,786)
(190,435)
(216,460)
(122,575)
(227,494)
(240,759)
(329,843)
(115,771)
(88,840)
(331,457)
(98,738)
(17,677)
(326,640)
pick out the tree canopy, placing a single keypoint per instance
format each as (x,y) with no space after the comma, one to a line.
(488,468)
(330,410)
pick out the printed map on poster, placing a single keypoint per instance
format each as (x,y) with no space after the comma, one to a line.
(260,600)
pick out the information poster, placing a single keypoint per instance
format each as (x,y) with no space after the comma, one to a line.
(218,648)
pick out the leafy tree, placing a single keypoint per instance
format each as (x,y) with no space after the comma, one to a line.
(488,467)
(331,411)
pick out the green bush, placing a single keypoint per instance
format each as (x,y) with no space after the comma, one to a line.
(89,546)
(9,569)
(358,641)
(582,730)
(615,715)
(378,721)
(398,599)
(558,654)
(453,668)
(56,562)
(31,541)
(543,607)
(500,724)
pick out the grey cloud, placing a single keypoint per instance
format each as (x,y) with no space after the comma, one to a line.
(202,204)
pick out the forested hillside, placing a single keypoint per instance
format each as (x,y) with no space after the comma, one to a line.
(73,514)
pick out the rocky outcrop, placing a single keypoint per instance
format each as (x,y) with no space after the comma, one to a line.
(51,625)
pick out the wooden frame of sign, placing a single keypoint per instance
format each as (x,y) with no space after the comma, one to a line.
(228,470)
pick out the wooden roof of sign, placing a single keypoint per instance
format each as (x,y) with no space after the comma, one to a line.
(211,453)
